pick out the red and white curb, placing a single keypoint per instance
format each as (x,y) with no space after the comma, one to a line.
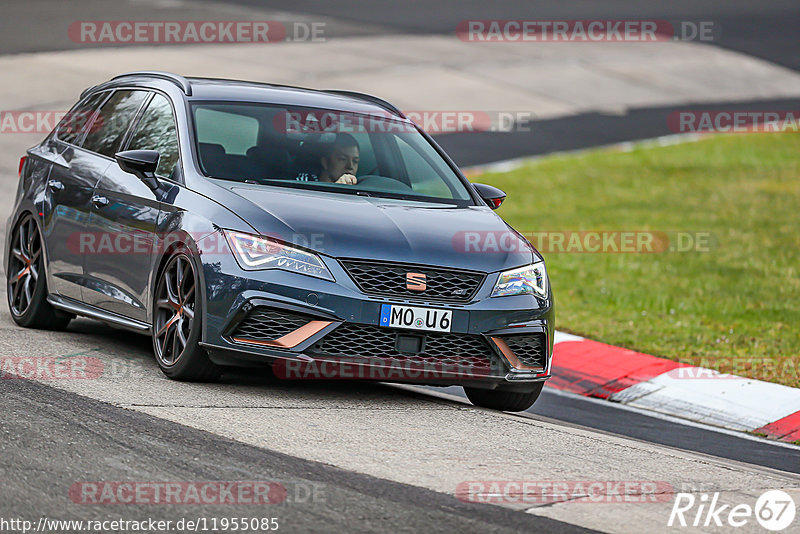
(701,395)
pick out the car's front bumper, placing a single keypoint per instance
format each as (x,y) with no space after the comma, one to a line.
(299,352)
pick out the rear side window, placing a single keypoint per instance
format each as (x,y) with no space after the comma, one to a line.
(72,126)
(156,131)
(235,132)
(113,120)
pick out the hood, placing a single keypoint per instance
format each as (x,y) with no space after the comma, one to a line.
(350,226)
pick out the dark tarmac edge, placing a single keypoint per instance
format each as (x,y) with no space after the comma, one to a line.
(52,439)
(612,419)
(589,130)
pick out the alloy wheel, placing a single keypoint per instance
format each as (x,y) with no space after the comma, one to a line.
(24,266)
(174,310)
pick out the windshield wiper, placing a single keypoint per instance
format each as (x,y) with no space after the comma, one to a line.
(350,190)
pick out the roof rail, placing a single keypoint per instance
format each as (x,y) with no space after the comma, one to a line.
(369,98)
(177,79)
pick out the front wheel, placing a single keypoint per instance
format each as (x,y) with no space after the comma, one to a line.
(506,401)
(177,317)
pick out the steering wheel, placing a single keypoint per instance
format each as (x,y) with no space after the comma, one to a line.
(383,183)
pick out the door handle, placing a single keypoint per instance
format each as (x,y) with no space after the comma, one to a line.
(55,185)
(99,201)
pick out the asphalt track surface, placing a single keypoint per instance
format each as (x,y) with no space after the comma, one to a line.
(765,29)
(582,131)
(53,439)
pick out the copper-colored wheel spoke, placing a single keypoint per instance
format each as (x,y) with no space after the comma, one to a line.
(189,294)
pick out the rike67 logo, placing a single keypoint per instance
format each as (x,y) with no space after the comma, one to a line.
(774,510)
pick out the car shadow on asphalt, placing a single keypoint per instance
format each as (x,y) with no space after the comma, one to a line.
(138,350)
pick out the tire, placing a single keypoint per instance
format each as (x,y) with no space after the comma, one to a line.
(26,284)
(506,401)
(177,321)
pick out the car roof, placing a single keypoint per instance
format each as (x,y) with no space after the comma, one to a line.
(205,89)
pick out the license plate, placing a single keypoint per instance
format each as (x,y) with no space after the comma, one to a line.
(414,318)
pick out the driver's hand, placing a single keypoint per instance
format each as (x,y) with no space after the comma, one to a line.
(348,179)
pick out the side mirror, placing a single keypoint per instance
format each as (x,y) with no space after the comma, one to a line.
(492,195)
(141,163)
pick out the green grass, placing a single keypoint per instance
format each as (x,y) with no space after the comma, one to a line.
(735,307)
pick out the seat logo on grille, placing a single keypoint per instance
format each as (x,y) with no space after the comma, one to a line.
(416,282)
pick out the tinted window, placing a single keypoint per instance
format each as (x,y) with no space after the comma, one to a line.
(72,126)
(423,179)
(113,120)
(235,132)
(156,131)
(330,150)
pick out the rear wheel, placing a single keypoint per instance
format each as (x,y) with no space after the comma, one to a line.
(177,317)
(506,401)
(26,285)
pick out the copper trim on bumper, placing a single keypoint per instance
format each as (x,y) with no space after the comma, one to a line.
(512,358)
(290,340)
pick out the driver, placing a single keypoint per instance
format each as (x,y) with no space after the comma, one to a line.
(340,162)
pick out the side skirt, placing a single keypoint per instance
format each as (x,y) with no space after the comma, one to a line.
(79,308)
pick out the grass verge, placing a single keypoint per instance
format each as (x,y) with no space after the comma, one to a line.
(730,302)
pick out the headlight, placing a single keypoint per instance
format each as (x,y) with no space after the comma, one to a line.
(255,253)
(530,280)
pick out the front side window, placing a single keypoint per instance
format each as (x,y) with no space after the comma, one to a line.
(112,122)
(156,131)
(330,150)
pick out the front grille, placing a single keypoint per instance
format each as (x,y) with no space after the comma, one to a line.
(530,349)
(389,279)
(376,343)
(268,324)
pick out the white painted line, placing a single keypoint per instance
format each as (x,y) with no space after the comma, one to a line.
(563,336)
(730,402)
(508,165)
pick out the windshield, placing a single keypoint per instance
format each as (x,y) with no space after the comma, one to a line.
(322,149)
